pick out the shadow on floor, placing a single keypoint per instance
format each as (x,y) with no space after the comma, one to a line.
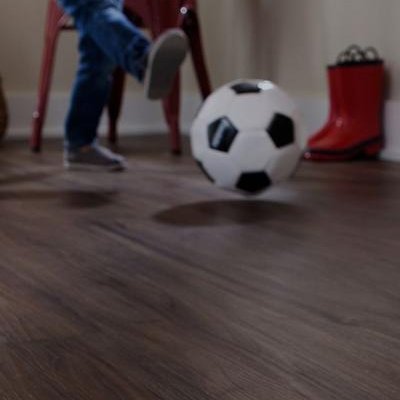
(236,212)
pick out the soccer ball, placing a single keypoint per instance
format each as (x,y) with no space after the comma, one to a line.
(246,136)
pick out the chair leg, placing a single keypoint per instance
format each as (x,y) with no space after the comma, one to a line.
(171,106)
(52,32)
(115,103)
(191,27)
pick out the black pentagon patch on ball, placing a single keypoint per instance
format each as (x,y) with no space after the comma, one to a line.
(205,172)
(246,88)
(281,130)
(253,182)
(221,134)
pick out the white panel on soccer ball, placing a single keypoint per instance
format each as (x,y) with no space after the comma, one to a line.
(199,137)
(283,163)
(251,150)
(217,105)
(221,168)
(249,111)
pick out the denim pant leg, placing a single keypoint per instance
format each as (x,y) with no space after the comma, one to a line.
(107,38)
(89,95)
(114,34)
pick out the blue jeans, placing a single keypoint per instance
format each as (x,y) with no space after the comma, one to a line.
(106,39)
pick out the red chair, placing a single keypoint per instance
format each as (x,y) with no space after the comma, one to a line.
(156,15)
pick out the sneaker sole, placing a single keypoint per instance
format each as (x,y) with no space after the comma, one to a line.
(166,56)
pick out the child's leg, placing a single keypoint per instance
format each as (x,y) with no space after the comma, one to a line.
(113,33)
(155,64)
(89,95)
(108,38)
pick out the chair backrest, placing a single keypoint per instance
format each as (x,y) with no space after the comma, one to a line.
(56,16)
(158,15)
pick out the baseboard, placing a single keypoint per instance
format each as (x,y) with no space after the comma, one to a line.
(392,132)
(140,116)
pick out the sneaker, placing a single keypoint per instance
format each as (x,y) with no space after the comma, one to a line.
(93,158)
(165,57)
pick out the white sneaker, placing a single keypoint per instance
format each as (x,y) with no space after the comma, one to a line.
(165,57)
(93,158)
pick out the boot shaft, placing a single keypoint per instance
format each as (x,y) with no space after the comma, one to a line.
(358,90)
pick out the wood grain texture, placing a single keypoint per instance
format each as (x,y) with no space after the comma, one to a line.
(153,284)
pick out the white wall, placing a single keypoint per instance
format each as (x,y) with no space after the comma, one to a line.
(306,35)
(289,41)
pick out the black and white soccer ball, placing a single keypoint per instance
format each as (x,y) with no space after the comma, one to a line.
(246,136)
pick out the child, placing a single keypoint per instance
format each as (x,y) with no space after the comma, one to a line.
(106,39)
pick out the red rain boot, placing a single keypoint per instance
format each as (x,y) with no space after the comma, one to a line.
(354,127)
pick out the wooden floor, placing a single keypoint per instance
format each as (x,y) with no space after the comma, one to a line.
(153,284)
